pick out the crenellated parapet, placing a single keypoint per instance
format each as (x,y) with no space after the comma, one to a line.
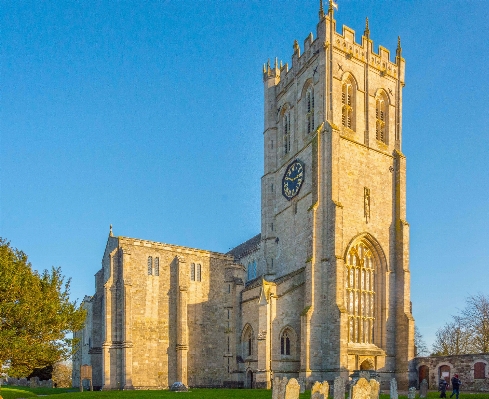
(343,43)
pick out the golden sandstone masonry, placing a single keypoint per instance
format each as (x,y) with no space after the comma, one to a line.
(323,290)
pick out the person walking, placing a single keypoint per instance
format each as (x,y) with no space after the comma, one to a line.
(442,387)
(455,386)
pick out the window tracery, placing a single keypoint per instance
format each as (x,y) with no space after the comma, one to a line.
(348,104)
(310,110)
(359,293)
(381,118)
(286,130)
(150,265)
(285,343)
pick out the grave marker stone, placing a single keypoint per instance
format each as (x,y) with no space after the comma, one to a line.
(412,393)
(423,389)
(393,390)
(374,389)
(292,389)
(361,390)
(339,388)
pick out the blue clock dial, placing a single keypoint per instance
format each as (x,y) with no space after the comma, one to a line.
(293,179)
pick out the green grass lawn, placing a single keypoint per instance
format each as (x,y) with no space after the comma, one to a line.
(61,393)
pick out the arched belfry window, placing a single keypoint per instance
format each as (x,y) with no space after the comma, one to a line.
(157,266)
(150,265)
(381,115)
(310,110)
(192,272)
(359,293)
(286,131)
(348,104)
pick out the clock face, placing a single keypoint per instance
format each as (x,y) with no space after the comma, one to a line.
(293,179)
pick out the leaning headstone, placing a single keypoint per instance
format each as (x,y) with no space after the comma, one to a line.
(361,390)
(412,393)
(339,388)
(374,389)
(423,389)
(302,383)
(178,387)
(393,390)
(292,389)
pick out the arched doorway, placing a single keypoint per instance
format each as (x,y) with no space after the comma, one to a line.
(249,379)
(424,374)
(367,364)
(445,373)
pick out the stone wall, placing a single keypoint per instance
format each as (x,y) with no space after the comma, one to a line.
(463,365)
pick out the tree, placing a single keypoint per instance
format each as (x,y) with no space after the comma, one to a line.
(452,339)
(62,374)
(476,317)
(35,314)
(420,347)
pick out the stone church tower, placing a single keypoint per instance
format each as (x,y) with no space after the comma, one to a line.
(324,289)
(334,247)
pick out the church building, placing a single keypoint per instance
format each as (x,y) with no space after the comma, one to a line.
(323,290)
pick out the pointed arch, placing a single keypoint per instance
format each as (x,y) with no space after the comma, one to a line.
(382,116)
(288,342)
(308,105)
(348,101)
(285,127)
(247,341)
(364,290)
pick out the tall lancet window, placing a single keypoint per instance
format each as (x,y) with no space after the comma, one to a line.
(348,104)
(150,265)
(359,293)
(286,129)
(381,118)
(310,110)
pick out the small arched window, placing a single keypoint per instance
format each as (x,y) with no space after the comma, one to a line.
(192,272)
(157,266)
(199,272)
(310,110)
(348,104)
(479,371)
(251,270)
(285,343)
(381,118)
(150,265)
(286,130)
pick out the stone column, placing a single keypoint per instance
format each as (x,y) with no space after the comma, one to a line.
(127,324)
(262,379)
(182,326)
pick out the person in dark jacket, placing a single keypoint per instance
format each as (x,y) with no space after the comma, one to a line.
(455,386)
(442,387)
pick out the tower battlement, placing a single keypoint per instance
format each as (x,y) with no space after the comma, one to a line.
(344,44)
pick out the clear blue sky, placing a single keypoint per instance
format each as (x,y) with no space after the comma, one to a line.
(149,116)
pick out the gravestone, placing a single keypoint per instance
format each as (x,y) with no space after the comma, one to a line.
(412,393)
(339,388)
(275,388)
(178,387)
(361,390)
(34,382)
(393,390)
(23,382)
(320,390)
(302,383)
(423,389)
(292,389)
(374,389)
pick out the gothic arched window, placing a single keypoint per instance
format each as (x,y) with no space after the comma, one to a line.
(192,272)
(348,104)
(359,293)
(285,343)
(251,270)
(247,341)
(157,266)
(310,110)
(286,130)
(199,272)
(150,265)
(381,117)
